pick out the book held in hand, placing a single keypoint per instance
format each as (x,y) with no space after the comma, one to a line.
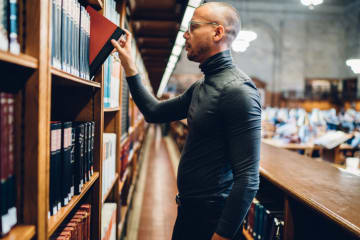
(102,31)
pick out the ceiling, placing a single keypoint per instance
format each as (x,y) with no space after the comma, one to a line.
(155,25)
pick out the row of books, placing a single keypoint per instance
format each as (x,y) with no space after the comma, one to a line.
(264,222)
(108,221)
(78,228)
(70,37)
(7,161)
(71,161)
(112,64)
(109,161)
(9,26)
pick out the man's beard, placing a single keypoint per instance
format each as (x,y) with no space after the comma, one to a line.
(197,55)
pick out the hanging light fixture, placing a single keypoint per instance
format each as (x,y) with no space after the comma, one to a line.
(243,39)
(354,64)
(311,3)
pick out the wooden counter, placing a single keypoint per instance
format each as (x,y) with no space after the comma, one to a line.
(327,190)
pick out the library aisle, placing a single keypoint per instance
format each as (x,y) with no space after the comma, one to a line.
(154,209)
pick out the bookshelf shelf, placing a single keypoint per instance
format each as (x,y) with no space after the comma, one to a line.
(55,221)
(20,60)
(111,188)
(247,235)
(21,232)
(116,109)
(73,80)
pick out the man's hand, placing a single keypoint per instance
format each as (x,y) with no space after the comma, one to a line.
(218,237)
(123,47)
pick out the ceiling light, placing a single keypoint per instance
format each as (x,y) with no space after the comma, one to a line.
(173,59)
(354,64)
(180,40)
(194,3)
(189,12)
(311,3)
(176,50)
(242,41)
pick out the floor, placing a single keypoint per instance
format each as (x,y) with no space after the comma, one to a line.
(154,209)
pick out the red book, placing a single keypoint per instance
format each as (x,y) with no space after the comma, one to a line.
(102,31)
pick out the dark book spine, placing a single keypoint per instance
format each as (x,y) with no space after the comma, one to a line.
(11,174)
(66,166)
(89,150)
(5,226)
(79,154)
(55,168)
(72,163)
(85,156)
(92,146)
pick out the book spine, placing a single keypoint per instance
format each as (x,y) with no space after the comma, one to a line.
(58,34)
(63,36)
(87,63)
(4,40)
(72,163)
(5,217)
(11,176)
(92,146)
(14,45)
(85,157)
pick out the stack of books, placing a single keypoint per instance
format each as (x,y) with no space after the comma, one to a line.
(264,222)
(70,24)
(78,228)
(71,161)
(7,187)
(9,26)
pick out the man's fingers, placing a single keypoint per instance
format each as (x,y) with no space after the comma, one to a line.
(115,44)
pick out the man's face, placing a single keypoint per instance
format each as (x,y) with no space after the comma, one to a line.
(199,36)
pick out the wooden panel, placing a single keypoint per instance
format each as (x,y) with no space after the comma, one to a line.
(63,78)
(21,59)
(322,187)
(37,117)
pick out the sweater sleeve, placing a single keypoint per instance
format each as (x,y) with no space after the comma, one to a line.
(156,111)
(241,111)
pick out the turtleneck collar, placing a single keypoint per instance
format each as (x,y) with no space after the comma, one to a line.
(217,63)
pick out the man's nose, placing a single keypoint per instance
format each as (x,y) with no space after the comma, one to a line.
(186,35)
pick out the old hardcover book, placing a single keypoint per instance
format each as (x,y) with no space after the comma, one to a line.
(102,31)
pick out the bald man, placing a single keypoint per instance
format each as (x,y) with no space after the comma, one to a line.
(218,174)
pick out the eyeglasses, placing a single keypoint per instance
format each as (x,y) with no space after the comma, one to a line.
(192,23)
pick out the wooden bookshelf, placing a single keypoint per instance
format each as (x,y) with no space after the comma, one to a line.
(22,60)
(71,80)
(55,221)
(111,188)
(112,109)
(22,232)
(43,94)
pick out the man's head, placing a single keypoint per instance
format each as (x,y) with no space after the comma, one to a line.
(212,29)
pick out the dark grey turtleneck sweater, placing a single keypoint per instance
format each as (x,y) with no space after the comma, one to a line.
(222,151)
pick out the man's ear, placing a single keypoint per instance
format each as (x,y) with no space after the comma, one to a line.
(219,33)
